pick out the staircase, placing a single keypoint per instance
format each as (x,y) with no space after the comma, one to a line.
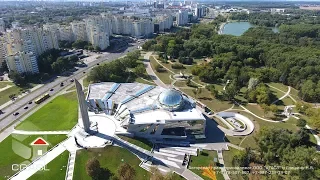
(70,168)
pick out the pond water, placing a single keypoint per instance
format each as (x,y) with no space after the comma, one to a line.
(238,28)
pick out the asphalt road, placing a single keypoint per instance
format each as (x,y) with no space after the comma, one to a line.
(7,118)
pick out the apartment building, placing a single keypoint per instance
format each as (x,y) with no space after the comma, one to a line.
(66,33)
(23,62)
(79,31)
(98,31)
(182,18)
(3,51)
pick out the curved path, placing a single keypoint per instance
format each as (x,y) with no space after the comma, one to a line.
(150,71)
(284,96)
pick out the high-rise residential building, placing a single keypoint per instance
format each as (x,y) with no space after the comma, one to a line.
(23,62)
(32,39)
(66,34)
(3,51)
(79,31)
(23,46)
(53,28)
(98,31)
(117,24)
(164,21)
(2,25)
(182,18)
(142,28)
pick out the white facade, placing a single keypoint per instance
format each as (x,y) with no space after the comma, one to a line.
(66,34)
(182,18)
(147,111)
(79,31)
(23,62)
(165,22)
(98,31)
(3,50)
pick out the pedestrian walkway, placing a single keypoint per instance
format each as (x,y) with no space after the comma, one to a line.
(70,166)
(150,71)
(222,168)
(5,88)
(284,96)
(315,136)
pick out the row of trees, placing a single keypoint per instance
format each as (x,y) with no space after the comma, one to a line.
(51,62)
(116,71)
(282,148)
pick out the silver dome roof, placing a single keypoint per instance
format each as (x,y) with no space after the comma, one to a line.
(170,98)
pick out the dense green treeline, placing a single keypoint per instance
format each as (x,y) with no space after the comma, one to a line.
(290,57)
(271,20)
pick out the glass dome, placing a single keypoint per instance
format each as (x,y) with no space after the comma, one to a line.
(170,98)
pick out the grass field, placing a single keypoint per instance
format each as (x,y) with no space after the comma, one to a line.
(59,114)
(204,159)
(212,103)
(143,143)
(279,86)
(111,158)
(164,76)
(9,157)
(4,84)
(56,168)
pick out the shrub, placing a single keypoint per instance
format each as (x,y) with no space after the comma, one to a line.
(301,123)
(177,66)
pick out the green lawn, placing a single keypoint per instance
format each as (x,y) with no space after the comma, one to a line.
(140,80)
(8,157)
(59,114)
(111,158)
(4,84)
(56,168)
(212,103)
(256,109)
(164,76)
(4,95)
(143,143)
(279,86)
(204,159)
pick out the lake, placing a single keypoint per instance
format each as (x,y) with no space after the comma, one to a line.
(238,28)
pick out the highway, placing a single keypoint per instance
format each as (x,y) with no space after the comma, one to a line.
(8,118)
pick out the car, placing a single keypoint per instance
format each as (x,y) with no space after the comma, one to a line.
(1,112)
(25,107)
(16,113)
(98,64)
(71,80)
(61,84)
(51,89)
(83,72)
(30,102)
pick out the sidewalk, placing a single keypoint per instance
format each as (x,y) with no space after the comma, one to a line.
(20,96)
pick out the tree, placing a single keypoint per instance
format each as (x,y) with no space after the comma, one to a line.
(212,90)
(97,48)
(93,168)
(159,68)
(231,91)
(156,175)
(17,78)
(301,123)
(4,67)
(126,172)
(140,70)
(253,82)
(196,92)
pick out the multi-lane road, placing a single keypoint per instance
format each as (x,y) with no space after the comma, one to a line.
(8,118)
